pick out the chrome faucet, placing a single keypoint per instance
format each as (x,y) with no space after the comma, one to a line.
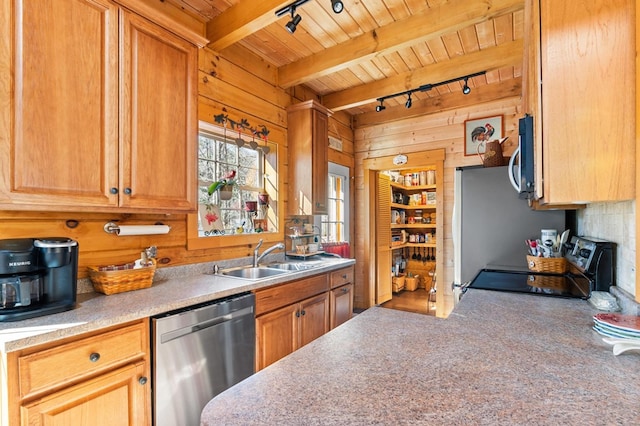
(257,258)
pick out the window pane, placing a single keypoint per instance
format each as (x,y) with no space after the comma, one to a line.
(217,158)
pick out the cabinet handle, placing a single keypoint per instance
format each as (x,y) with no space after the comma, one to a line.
(94,357)
(303,312)
(113,190)
(127,191)
(345,290)
(344,276)
(297,314)
(142,380)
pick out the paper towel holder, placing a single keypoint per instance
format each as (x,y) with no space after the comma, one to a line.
(113,228)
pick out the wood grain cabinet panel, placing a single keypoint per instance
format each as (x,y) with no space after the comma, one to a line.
(98,109)
(579,87)
(62,364)
(101,376)
(287,329)
(116,398)
(308,139)
(341,305)
(59,135)
(159,117)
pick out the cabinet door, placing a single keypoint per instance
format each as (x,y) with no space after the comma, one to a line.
(320,161)
(383,239)
(314,318)
(117,398)
(276,335)
(159,120)
(58,114)
(308,137)
(341,305)
(588,133)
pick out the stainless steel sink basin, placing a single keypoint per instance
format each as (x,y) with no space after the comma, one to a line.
(252,273)
(291,266)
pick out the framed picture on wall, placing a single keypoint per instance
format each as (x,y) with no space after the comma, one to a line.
(481,130)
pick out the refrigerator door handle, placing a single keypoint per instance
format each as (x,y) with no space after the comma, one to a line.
(512,170)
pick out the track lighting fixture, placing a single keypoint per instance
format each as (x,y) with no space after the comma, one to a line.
(292,25)
(336,5)
(426,87)
(466,89)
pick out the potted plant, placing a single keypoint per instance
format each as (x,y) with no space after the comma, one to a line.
(224,186)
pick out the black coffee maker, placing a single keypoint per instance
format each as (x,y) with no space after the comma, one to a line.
(37,277)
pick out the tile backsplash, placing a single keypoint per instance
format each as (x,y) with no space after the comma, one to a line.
(614,222)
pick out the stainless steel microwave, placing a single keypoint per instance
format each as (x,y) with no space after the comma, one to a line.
(521,168)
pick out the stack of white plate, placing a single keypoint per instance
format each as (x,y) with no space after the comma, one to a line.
(621,331)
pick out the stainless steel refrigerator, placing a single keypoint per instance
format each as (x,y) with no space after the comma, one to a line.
(491,224)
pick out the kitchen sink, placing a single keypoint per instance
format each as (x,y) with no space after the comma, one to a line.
(253,273)
(291,266)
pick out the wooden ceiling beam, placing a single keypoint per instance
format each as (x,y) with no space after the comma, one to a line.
(241,20)
(489,59)
(482,94)
(428,24)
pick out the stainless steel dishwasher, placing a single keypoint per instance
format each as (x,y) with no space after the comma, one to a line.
(199,352)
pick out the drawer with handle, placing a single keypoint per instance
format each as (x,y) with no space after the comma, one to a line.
(68,363)
(341,277)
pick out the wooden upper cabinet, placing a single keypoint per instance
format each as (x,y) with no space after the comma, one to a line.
(580,89)
(159,117)
(98,109)
(59,127)
(308,139)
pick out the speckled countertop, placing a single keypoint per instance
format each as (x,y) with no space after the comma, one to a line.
(499,359)
(173,288)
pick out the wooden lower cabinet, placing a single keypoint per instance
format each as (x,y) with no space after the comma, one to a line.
(341,296)
(341,305)
(115,398)
(290,315)
(284,330)
(96,378)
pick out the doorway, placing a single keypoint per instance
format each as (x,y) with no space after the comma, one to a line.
(378,235)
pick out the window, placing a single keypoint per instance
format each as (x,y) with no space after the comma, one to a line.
(219,155)
(334,226)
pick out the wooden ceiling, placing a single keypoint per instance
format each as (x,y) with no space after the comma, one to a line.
(376,48)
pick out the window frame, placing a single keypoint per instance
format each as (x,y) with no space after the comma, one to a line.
(273,181)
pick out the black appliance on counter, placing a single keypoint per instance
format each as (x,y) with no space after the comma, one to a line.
(591,268)
(37,277)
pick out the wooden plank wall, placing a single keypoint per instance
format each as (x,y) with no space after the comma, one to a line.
(415,134)
(235,82)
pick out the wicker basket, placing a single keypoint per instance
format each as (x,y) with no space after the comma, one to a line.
(411,283)
(121,280)
(547,264)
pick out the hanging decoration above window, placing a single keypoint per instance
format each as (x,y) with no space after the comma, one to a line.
(260,132)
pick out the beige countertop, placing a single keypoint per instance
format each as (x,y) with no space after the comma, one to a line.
(499,359)
(173,288)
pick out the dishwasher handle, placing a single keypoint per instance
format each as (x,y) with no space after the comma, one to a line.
(194,328)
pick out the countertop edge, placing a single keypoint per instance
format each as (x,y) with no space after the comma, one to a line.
(95,311)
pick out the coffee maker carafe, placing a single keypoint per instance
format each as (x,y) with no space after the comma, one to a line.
(37,277)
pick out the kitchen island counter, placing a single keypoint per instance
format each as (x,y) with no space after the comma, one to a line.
(499,358)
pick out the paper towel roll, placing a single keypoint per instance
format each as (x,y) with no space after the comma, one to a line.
(124,230)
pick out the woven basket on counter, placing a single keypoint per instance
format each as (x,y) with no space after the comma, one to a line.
(108,280)
(556,265)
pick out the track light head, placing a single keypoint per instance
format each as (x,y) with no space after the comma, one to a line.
(380,107)
(337,6)
(408,103)
(466,89)
(292,25)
